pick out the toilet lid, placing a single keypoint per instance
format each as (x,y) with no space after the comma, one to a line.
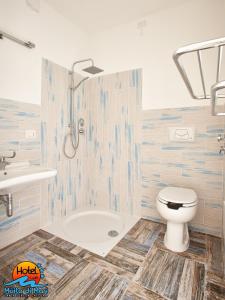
(178,195)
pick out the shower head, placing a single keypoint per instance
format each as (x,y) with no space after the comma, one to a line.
(92,70)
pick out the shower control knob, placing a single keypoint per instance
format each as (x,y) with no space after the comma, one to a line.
(81,122)
(220,138)
(222,150)
(81,131)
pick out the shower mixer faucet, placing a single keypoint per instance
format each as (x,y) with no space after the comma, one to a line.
(73,134)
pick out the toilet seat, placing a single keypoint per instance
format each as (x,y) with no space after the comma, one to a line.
(176,197)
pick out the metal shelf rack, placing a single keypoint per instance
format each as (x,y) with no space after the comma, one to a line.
(219,85)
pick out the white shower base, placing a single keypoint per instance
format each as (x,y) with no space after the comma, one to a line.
(90,229)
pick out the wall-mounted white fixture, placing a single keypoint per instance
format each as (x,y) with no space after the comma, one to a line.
(181,134)
(14,175)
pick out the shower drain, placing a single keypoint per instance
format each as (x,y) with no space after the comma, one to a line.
(113,233)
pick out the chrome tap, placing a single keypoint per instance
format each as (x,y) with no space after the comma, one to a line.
(4,162)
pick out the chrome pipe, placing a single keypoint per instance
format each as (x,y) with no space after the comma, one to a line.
(7,200)
(219,62)
(201,72)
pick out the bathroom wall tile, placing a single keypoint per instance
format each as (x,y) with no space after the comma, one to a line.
(105,172)
(15,119)
(195,165)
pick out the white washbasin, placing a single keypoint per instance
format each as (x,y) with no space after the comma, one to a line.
(16,174)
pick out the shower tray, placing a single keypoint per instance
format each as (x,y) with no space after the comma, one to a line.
(97,231)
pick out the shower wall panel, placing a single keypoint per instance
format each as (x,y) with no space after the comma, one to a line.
(105,172)
(67,192)
(113,141)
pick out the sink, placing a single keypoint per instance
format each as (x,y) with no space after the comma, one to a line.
(21,173)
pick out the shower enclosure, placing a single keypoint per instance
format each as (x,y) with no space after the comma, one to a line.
(101,182)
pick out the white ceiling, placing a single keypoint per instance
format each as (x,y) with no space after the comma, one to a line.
(98,15)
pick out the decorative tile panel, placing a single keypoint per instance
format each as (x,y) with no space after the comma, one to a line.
(15,118)
(195,165)
(105,171)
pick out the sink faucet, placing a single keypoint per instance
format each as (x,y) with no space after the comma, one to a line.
(4,162)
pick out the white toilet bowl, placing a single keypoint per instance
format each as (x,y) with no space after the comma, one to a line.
(177,206)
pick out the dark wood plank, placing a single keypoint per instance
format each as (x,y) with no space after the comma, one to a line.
(65,245)
(136,292)
(9,253)
(93,282)
(197,250)
(215,256)
(67,278)
(138,267)
(198,284)
(43,234)
(61,252)
(215,292)
(161,272)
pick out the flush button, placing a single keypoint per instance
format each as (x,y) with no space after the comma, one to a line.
(181,134)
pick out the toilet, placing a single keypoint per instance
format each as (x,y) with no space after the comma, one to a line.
(177,206)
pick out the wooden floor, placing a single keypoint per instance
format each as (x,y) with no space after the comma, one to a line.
(139,267)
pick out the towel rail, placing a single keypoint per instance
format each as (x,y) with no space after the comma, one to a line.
(27,44)
(198,48)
